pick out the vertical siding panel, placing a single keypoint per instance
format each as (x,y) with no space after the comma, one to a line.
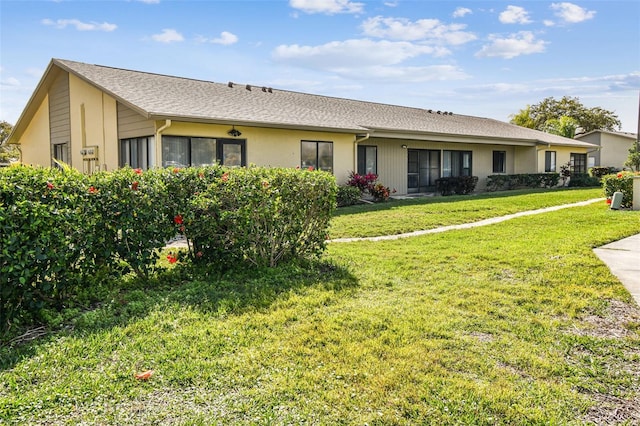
(59,110)
(133,125)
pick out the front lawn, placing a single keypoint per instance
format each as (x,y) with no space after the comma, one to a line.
(515,323)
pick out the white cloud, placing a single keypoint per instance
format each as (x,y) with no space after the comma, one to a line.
(168,35)
(149,1)
(226,38)
(329,7)
(391,3)
(461,12)
(514,15)
(11,81)
(570,13)
(405,74)
(422,29)
(521,43)
(79,25)
(352,54)
(548,23)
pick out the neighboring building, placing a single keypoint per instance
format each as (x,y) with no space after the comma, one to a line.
(95,117)
(614,147)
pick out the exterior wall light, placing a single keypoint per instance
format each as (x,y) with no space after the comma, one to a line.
(403,146)
(233,132)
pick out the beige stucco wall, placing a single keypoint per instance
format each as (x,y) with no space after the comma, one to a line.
(96,126)
(615,150)
(34,142)
(563,155)
(273,147)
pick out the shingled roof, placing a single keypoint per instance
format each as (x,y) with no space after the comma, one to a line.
(158,96)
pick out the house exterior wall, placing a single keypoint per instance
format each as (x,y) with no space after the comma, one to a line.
(274,147)
(615,150)
(393,159)
(93,116)
(34,142)
(563,155)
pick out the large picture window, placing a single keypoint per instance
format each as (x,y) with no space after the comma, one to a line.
(549,161)
(317,154)
(499,161)
(367,159)
(183,151)
(456,163)
(136,152)
(578,163)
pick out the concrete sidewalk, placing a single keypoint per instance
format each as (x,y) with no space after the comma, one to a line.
(623,259)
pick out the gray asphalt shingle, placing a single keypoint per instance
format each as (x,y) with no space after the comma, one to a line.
(161,96)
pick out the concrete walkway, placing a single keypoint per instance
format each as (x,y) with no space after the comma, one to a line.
(623,259)
(484,222)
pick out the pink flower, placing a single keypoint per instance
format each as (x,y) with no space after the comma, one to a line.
(138,171)
(199,254)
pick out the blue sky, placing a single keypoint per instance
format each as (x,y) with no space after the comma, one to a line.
(482,58)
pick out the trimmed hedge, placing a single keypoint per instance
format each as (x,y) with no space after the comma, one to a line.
(348,195)
(459,185)
(63,231)
(524,180)
(583,180)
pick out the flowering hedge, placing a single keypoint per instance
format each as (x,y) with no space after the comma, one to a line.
(62,230)
(369,184)
(620,182)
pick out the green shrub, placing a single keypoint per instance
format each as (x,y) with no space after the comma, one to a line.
(598,172)
(522,180)
(456,185)
(262,216)
(348,195)
(583,180)
(42,230)
(620,182)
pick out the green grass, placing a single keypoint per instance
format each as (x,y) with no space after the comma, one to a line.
(401,216)
(505,324)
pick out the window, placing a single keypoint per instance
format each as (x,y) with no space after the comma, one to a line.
(136,152)
(317,154)
(499,161)
(367,159)
(549,161)
(456,163)
(578,163)
(61,152)
(182,151)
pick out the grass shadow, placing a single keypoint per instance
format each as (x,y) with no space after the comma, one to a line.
(232,292)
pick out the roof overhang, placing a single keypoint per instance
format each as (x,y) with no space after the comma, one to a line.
(448,138)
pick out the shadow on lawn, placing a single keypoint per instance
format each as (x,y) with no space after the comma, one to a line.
(232,293)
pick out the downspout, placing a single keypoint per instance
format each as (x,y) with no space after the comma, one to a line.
(355,150)
(159,130)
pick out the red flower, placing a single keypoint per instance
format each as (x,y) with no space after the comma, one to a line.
(92,190)
(225,177)
(172,259)
(134,186)
(50,185)
(182,229)
(608,200)
(619,175)
(138,171)
(265,184)
(310,168)
(199,254)
(176,170)
(178,219)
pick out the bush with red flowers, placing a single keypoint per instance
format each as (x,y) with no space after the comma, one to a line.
(620,182)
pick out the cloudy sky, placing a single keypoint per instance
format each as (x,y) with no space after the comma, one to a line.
(482,58)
